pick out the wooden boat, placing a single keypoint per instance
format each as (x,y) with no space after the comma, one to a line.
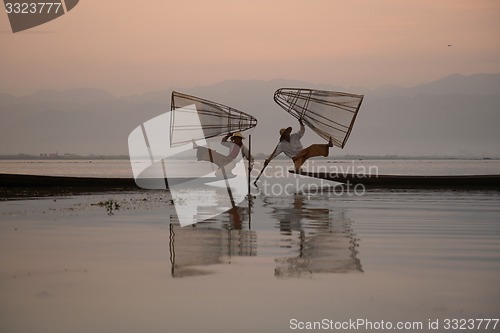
(411,181)
(17,180)
(18,185)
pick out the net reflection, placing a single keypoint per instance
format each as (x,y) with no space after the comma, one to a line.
(320,240)
(308,236)
(215,241)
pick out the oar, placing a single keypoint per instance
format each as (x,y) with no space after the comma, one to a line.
(265,165)
(249,166)
(248,183)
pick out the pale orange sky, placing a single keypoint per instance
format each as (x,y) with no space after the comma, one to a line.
(127,46)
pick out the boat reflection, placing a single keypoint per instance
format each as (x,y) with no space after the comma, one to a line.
(321,240)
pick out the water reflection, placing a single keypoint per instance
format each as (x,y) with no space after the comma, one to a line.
(215,241)
(321,240)
(310,236)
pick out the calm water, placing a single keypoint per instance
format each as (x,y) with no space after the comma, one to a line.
(71,265)
(122,168)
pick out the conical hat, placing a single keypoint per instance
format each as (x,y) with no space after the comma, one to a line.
(237,135)
(283,130)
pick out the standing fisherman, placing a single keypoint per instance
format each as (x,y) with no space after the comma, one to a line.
(291,146)
(235,146)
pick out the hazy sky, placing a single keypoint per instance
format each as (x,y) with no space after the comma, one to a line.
(128,46)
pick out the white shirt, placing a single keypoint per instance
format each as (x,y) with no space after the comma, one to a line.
(291,148)
(234,150)
(246,153)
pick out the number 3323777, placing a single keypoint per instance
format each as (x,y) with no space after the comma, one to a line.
(32,8)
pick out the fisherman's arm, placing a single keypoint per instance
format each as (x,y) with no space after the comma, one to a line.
(225,142)
(302,130)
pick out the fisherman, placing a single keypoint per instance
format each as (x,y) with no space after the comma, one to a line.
(291,146)
(236,145)
(226,162)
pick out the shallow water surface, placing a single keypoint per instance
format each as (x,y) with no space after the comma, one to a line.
(69,264)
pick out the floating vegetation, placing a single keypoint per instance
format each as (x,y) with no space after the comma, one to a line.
(110,205)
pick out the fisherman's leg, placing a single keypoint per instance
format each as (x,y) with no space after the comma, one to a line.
(203,154)
(209,155)
(300,158)
(318,150)
(225,171)
(311,151)
(298,161)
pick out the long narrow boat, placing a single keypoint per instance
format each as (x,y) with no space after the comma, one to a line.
(19,185)
(407,181)
(18,180)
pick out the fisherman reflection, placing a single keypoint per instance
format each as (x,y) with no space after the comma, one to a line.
(290,219)
(193,250)
(225,163)
(235,218)
(241,241)
(322,240)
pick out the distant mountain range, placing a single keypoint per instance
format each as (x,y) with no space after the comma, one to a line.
(454,116)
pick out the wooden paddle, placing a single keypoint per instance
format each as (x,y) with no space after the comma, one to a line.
(265,164)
